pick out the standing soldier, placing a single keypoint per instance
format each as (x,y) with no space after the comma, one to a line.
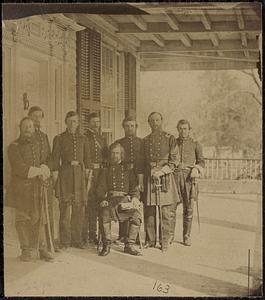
(98,157)
(134,159)
(190,167)
(70,165)
(161,158)
(118,196)
(37,115)
(27,177)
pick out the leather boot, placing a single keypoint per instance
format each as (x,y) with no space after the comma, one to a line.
(46,255)
(187,222)
(106,239)
(133,232)
(25,255)
(105,250)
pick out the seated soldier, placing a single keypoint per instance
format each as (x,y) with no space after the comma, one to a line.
(118,194)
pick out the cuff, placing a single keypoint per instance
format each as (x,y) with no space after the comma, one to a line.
(34,171)
(199,168)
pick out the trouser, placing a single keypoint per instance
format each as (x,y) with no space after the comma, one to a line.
(134,223)
(90,220)
(51,213)
(123,228)
(184,187)
(30,236)
(71,223)
(150,221)
(173,222)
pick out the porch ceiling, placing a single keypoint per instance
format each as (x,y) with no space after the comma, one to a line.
(177,36)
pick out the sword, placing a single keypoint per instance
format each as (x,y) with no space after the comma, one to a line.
(195,197)
(159,210)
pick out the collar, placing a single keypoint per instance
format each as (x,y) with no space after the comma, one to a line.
(70,133)
(92,131)
(26,140)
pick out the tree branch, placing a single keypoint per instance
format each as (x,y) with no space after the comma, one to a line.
(252,75)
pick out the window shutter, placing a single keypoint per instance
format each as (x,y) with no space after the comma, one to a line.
(88,74)
(130,84)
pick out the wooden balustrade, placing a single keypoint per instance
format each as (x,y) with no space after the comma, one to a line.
(232,169)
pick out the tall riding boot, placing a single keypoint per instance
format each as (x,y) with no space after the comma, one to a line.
(130,240)
(106,239)
(187,222)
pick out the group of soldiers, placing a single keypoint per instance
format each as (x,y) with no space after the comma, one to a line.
(97,184)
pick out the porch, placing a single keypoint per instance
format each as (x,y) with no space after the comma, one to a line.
(215,265)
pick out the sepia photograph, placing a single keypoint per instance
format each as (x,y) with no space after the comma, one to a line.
(132,149)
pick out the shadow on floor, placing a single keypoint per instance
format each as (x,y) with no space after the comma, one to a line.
(227,224)
(198,283)
(256,200)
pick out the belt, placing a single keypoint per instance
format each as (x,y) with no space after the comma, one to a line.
(117,194)
(72,163)
(96,166)
(183,168)
(130,166)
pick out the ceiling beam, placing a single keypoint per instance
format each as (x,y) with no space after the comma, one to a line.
(102,26)
(172,21)
(139,22)
(244,40)
(206,21)
(107,21)
(240,19)
(189,27)
(186,40)
(177,57)
(199,45)
(191,66)
(158,40)
(214,38)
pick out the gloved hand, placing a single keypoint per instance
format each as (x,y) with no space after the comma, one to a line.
(194,173)
(104,203)
(136,203)
(45,172)
(157,174)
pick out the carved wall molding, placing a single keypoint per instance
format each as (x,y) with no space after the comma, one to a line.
(50,34)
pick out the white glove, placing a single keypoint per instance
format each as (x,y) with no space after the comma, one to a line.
(194,173)
(136,203)
(158,174)
(104,203)
(45,172)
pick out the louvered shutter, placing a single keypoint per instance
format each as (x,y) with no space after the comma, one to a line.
(88,74)
(130,84)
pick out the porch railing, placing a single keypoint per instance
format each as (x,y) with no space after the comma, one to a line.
(232,169)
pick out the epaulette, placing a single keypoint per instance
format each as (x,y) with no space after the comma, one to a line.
(167,134)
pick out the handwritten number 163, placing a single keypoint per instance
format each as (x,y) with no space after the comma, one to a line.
(161,288)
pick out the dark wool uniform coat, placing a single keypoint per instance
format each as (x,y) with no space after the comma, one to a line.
(117,178)
(191,155)
(159,151)
(24,193)
(98,150)
(71,184)
(134,149)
